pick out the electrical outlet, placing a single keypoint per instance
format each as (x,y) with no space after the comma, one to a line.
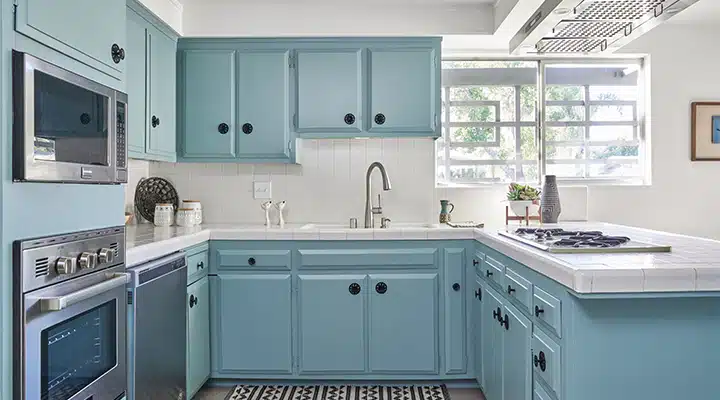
(262,190)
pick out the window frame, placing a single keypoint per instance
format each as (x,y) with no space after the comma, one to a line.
(641,134)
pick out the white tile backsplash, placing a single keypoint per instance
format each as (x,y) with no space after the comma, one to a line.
(137,170)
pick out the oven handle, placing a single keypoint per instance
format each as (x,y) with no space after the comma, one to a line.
(57,303)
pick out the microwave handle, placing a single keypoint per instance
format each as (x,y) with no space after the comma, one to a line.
(57,303)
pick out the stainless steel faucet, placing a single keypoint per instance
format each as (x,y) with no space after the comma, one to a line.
(370,211)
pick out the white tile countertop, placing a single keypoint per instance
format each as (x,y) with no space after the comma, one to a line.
(692,265)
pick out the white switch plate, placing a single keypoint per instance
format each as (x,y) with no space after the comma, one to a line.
(262,190)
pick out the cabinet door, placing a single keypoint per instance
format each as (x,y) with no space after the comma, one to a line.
(516,354)
(455,329)
(403,323)
(477,332)
(263,105)
(83,29)
(492,341)
(332,328)
(251,323)
(198,336)
(161,121)
(403,93)
(208,108)
(329,91)
(136,84)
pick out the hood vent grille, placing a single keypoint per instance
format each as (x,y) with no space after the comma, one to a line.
(591,26)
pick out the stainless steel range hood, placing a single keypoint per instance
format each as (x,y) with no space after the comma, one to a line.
(591,26)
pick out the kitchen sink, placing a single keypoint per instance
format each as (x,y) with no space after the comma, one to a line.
(392,226)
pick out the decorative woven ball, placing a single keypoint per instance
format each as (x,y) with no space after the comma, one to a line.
(151,191)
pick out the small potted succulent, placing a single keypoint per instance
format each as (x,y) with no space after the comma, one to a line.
(522,197)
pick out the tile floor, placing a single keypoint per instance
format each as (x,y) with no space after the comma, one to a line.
(219,393)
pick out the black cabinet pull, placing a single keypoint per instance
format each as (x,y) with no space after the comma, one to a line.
(251,260)
(85,118)
(488,273)
(510,290)
(538,311)
(247,128)
(496,314)
(349,119)
(381,287)
(155,121)
(505,321)
(201,265)
(478,294)
(380,119)
(193,301)
(223,128)
(540,361)
(354,289)
(456,286)
(117,53)
(475,262)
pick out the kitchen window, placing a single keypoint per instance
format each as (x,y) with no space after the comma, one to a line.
(591,128)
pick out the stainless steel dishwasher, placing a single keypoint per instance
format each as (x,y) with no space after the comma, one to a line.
(157,329)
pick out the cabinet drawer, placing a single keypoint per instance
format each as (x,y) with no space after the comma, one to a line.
(274,260)
(375,258)
(539,393)
(197,266)
(494,271)
(546,360)
(547,310)
(518,288)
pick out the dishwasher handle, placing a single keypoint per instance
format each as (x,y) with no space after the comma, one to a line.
(57,303)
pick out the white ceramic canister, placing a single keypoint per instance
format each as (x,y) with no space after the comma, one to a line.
(185,217)
(164,214)
(196,207)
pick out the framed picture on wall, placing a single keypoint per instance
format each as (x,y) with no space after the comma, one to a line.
(705,131)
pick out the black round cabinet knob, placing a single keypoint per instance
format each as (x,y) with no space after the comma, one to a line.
(193,301)
(476,262)
(251,260)
(354,289)
(349,119)
(456,287)
(85,118)
(117,53)
(247,128)
(381,287)
(155,121)
(540,362)
(223,128)
(538,311)
(201,265)
(510,290)
(488,273)
(380,119)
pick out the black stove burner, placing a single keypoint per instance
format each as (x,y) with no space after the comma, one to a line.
(562,238)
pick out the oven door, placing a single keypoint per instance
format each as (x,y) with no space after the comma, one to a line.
(75,334)
(64,125)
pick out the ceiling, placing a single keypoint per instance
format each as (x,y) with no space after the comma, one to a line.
(703,12)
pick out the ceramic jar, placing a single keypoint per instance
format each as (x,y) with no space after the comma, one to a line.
(196,207)
(550,200)
(164,214)
(186,217)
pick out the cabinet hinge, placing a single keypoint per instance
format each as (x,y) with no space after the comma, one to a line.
(434,61)
(295,121)
(436,121)
(291,61)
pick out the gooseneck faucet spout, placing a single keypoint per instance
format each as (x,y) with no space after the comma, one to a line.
(370,211)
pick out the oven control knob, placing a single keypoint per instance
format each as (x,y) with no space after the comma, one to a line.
(105,256)
(65,266)
(87,260)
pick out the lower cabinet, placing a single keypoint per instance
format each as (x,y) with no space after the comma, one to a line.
(492,345)
(251,318)
(516,351)
(477,322)
(198,336)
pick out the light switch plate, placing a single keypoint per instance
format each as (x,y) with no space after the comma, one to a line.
(262,190)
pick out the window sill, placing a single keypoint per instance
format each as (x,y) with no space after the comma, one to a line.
(561,183)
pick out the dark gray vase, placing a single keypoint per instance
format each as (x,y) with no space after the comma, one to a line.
(550,200)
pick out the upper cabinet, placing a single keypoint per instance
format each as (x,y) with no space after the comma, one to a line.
(151,88)
(404,91)
(329,91)
(86,30)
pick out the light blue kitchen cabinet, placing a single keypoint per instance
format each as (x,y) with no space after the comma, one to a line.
(477,330)
(404,323)
(90,31)
(492,345)
(455,295)
(332,323)
(263,106)
(251,321)
(329,91)
(516,349)
(198,336)
(151,83)
(208,93)
(404,94)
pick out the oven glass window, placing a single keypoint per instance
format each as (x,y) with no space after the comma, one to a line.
(77,351)
(71,122)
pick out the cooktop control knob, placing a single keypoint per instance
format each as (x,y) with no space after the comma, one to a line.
(87,260)
(105,256)
(65,266)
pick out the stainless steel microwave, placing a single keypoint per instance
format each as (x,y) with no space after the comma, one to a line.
(66,128)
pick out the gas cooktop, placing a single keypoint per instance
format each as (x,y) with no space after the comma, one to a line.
(557,240)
